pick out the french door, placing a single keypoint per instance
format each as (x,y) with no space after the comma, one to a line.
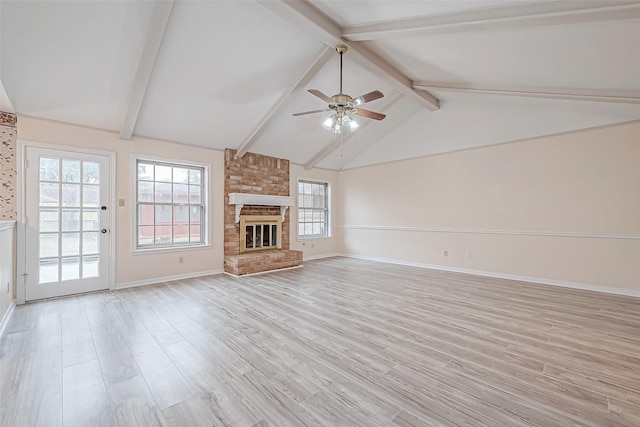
(68,217)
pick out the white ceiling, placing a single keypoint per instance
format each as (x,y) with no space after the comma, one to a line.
(231,73)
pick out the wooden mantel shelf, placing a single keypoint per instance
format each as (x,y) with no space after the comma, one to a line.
(241,199)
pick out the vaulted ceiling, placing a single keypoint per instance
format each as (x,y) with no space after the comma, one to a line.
(455,74)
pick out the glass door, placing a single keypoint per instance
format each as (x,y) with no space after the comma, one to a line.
(68,235)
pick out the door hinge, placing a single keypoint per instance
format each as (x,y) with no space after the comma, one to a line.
(26,163)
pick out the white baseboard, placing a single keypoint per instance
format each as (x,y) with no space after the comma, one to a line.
(537,280)
(312,257)
(157,280)
(7,317)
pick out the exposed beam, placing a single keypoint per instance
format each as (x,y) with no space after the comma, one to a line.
(304,15)
(152,43)
(573,94)
(319,61)
(523,15)
(327,150)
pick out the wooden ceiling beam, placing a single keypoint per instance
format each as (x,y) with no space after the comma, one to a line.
(516,16)
(147,61)
(572,94)
(304,15)
(319,61)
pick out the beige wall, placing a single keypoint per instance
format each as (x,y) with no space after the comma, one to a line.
(131,268)
(482,201)
(487,201)
(141,267)
(315,247)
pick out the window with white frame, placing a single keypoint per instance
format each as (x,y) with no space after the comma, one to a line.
(313,209)
(171,204)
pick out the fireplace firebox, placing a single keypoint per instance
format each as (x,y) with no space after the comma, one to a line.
(260,232)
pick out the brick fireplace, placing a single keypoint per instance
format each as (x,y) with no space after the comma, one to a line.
(256,185)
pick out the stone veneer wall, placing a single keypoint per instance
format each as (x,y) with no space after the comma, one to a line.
(257,174)
(8,167)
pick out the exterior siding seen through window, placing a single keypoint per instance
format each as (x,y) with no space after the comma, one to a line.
(170,205)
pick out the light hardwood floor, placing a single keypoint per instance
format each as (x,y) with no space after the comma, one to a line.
(340,342)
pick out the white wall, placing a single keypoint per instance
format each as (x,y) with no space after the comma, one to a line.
(562,208)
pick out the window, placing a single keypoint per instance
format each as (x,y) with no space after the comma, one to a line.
(170,205)
(313,209)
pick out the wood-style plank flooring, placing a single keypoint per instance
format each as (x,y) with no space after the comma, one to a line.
(340,342)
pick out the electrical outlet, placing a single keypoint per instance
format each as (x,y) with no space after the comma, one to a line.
(121,202)
(181,260)
(446,253)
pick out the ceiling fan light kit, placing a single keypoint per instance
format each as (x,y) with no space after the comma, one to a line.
(344,106)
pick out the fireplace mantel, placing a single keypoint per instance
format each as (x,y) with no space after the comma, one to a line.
(241,199)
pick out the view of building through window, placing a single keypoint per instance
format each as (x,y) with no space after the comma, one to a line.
(170,204)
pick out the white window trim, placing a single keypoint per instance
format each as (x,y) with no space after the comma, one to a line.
(134,203)
(329,208)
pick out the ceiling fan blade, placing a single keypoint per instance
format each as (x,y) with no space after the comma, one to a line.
(370,114)
(371,96)
(310,112)
(321,95)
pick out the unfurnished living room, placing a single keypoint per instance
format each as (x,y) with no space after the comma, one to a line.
(319,213)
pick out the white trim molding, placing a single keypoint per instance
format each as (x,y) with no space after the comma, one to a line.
(528,279)
(159,280)
(573,234)
(7,224)
(241,199)
(7,317)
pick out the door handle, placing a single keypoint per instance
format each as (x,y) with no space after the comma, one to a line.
(104,230)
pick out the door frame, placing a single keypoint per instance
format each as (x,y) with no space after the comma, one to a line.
(21,157)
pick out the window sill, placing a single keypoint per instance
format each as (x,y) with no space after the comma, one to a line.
(302,238)
(169,250)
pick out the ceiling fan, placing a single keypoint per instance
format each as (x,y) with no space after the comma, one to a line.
(343,106)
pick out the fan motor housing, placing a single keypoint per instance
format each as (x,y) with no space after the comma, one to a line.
(342,100)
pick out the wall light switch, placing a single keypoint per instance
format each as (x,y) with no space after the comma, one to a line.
(120,202)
